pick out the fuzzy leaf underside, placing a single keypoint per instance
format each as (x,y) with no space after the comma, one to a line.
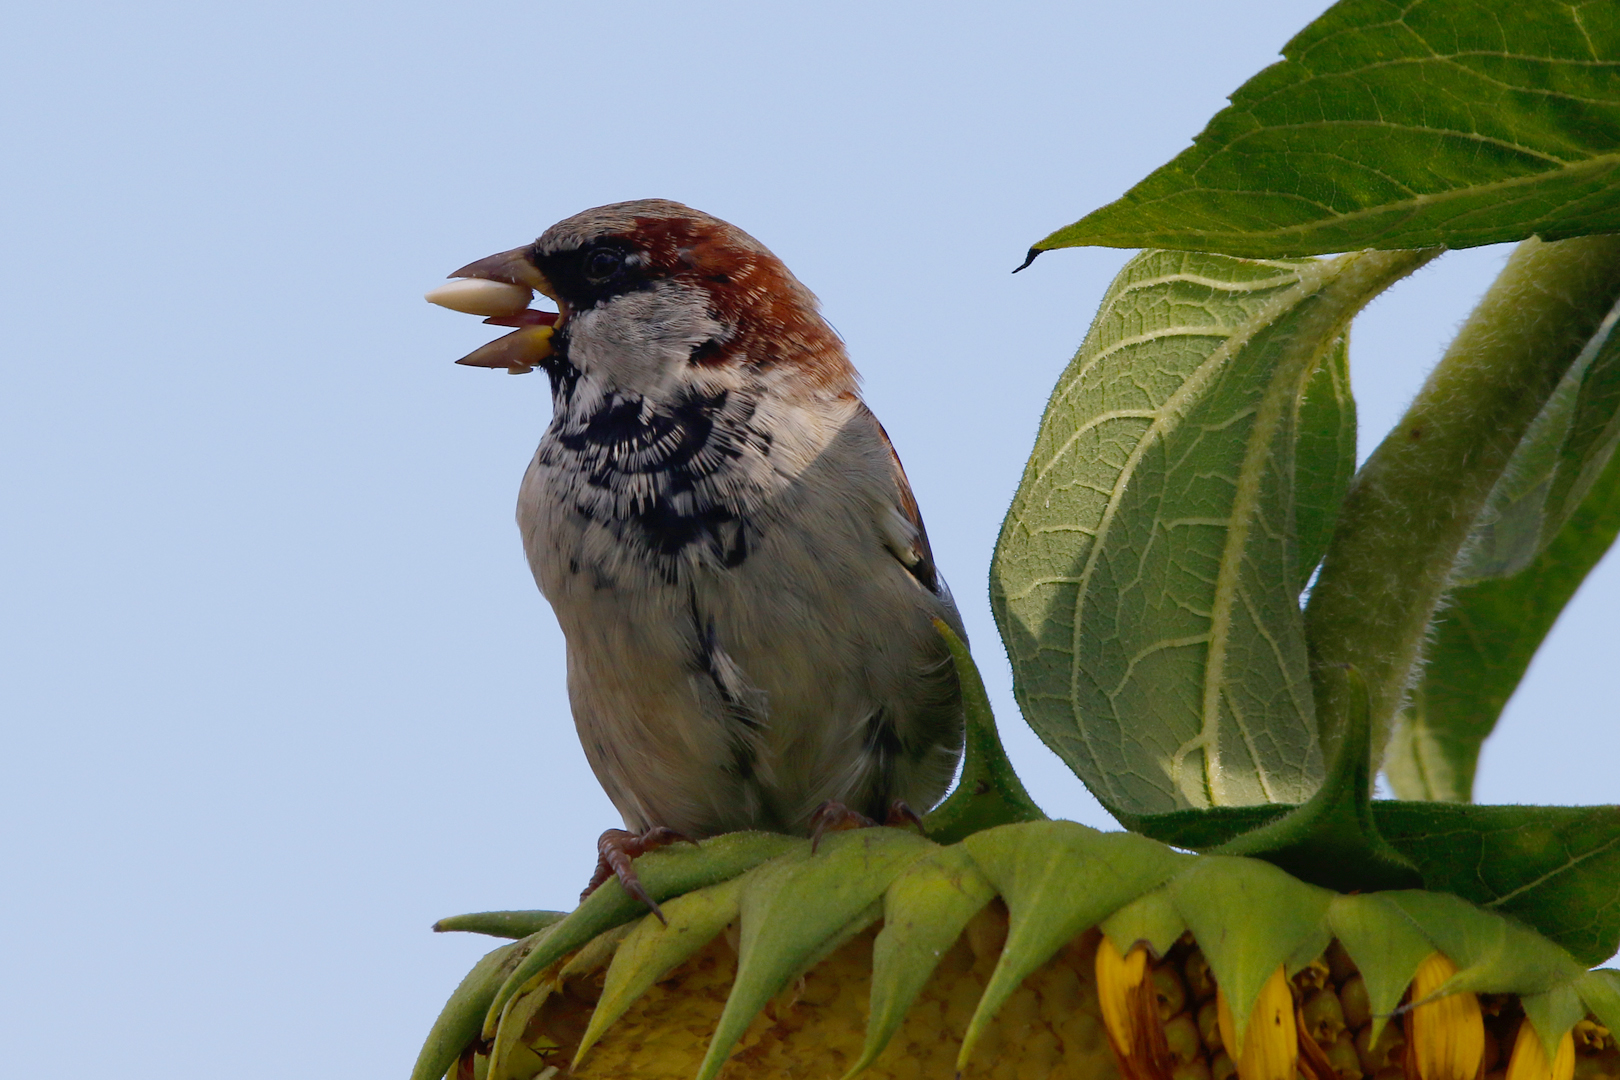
(1556,464)
(1483,641)
(1398,125)
(1146,579)
(1057,879)
(1553,868)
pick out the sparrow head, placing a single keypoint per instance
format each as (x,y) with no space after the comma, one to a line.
(653,298)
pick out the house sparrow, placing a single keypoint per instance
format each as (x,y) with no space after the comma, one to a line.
(724,532)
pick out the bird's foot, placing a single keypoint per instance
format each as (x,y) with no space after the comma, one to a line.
(614,850)
(834,816)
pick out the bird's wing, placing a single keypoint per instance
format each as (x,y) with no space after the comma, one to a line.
(906,537)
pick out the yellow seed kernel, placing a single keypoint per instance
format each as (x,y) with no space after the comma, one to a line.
(1200,980)
(986,933)
(1324,1016)
(1314,976)
(1588,1067)
(1195,1069)
(1039,1053)
(1270,1042)
(478,296)
(1447,1034)
(1221,1067)
(1209,1025)
(1591,1036)
(1117,980)
(1357,1006)
(1343,1057)
(1386,1053)
(1529,1060)
(1168,991)
(1181,1036)
(1339,962)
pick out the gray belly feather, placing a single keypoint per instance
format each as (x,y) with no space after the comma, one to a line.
(728,666)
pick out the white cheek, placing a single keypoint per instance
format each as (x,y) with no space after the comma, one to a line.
(640,342)
(802,425)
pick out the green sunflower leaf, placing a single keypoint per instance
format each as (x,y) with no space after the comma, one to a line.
(1249,917)
(511,1056)
(1155,645)
(1202,830)
(1554,868)
(924,912)
(670,872)
(1551,517)
(1455,122)
(1332,840)
(1325,456)
(800,906)
(1057,878)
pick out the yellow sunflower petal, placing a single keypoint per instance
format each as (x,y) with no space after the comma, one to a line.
(1447,1035)
(1271,1042)
(1117,980)
(1529,1060)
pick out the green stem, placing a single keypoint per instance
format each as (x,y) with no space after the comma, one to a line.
(1413,504)
(989,792)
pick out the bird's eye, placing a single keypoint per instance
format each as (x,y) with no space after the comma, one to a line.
(602,264)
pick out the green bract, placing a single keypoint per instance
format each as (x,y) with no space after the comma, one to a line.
(1057,879)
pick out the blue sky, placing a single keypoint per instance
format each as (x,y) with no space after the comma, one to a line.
(276,685)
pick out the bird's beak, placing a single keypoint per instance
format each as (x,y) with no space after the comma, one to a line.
(500,287)
(510,267)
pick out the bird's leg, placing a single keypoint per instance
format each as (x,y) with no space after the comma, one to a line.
(834,816)
(901,814)
(614,850)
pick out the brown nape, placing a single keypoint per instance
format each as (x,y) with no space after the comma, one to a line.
(775,315)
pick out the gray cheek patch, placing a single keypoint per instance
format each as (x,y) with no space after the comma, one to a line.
(640,342)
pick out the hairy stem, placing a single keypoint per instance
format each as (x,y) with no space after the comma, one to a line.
(1413,504)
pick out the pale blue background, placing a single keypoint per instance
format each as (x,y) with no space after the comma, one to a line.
(277,689)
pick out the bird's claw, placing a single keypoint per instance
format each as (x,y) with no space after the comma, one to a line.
(614,850)
(834,816)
